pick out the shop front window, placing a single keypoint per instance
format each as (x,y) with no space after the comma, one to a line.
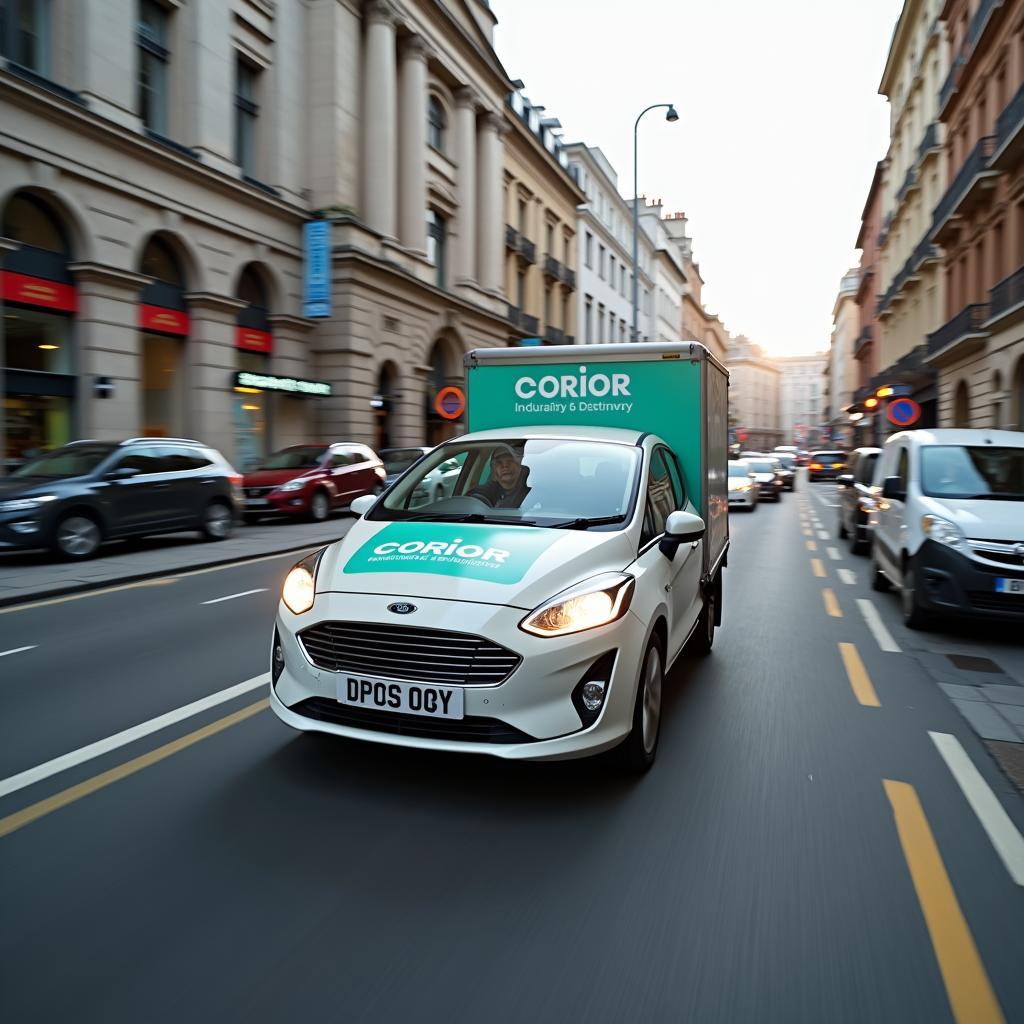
(162,386)
(251,415)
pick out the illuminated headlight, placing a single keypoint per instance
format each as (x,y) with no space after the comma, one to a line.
(942,531)
(592,603)
(742,487)
(867,504)
(293,485)
(299,591)
(26,504)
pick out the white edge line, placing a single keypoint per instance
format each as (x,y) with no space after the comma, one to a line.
(1008,842)
(833,553)
(120,739)
(231,597)
(18,650)
(877,626)
(824,535)
(847,576)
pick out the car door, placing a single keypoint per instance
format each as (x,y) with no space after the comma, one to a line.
(137,502)
(193,483)
(892,511)
(340,474)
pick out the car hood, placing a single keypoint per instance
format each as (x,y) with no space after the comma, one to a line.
(26,487)
(763,478)
(981,519)
(274,477)
(518,566)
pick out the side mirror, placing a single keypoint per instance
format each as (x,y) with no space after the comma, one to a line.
(121,473)
(680,528)
(361,505)
(846,480)
(892,491)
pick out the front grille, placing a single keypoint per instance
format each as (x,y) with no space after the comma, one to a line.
(1002,552)
(986,600)
(257,492)
(466,730)
(405,652)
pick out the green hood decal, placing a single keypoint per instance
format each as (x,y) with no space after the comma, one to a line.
(493,554)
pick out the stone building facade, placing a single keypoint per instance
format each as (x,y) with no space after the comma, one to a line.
(754,411)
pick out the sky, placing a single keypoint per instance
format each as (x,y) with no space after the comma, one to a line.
(780,128)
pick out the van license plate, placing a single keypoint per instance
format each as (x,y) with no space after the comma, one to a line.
(1005,586)
(405,698)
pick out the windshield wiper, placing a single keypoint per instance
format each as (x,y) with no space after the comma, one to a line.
(584,522)
(468,517)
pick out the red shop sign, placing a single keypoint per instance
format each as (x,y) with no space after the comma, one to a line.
(253,340)
(163,321)
(36,291)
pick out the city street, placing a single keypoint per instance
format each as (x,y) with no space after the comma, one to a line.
(824,836)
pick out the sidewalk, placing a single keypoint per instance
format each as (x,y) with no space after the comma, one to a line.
(28,576)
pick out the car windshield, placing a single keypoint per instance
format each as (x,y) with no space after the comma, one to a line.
(535,482)
(740,469)
(788,461)
(976,471)
(761,466)
(398,460)
(307,457)
(65,462)
(828,457)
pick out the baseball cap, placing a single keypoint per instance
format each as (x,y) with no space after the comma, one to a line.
(514,450)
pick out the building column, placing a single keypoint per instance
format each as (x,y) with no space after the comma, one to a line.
(107,337)
(465,156)
(490,224)
(209,87)
(412,167)
(380,119)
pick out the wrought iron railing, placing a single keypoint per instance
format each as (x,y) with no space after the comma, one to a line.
(569,277)
(1010,120)
(967,322)
(529,324)
(929,141)
(975,164)
(552,267)
(1007,294)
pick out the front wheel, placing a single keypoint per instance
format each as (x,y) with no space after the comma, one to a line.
(842,531)
(879,581)
(914,616)
(319,506)
(640,747)
(78,536)
(218,521)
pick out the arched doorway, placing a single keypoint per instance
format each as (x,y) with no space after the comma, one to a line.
(961,406)
(445,370)
(38,354)
(254,344)
(164,322)
(384,402)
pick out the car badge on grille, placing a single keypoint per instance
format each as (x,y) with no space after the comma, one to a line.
(402,608)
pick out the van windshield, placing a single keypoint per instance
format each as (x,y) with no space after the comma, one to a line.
(976,471)
(517,482)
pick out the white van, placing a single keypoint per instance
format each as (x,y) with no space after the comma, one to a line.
(948,523)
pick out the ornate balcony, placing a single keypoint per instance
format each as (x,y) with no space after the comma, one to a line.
(973,177)
(1007,297)
(511,238)
(514,315)
(569,278)
(530,325)
(930,142)
(527,250)
(963,334)
(909,182)
(552,268)
(1010,132)
(554,336)
(863,342)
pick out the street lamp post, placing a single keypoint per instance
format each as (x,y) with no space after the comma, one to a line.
(671,115)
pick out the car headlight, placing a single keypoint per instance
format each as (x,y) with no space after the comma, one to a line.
(293,485)
(866,503)
(592,603)
(942,531)
(299,590)
(26,504)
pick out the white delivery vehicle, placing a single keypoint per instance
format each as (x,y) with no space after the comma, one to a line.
(948,523)
(533,612)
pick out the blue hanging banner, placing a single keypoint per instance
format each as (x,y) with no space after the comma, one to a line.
(316,276)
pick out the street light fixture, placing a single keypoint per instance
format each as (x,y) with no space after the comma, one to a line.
(671,115)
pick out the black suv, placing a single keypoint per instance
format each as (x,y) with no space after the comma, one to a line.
(74,498)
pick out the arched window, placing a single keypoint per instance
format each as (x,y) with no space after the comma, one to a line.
(251,289)
(160,261)
(437,124)
(961,406)
(27,220)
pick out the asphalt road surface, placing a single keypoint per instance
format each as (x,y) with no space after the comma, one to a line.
(823,838)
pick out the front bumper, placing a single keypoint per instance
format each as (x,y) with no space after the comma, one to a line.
(743,499)
(950,583)
(294,503)
(534,702)
(28,529)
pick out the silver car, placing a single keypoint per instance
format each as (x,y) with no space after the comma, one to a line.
(743,489)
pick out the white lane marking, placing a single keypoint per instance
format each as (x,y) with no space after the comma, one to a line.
(18,650)
(120,739)
(877,626)
(994,820)
(821,501)
(847,576)
(231,597)
(833,553)
(824,535)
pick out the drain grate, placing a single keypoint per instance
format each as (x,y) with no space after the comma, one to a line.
(969,663)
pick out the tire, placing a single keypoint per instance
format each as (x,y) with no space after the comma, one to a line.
(842,531)
(857,545)
(914,616)
(218,522)
(703,638)
(319,506)
(639,749)
(78,536)
(879,581)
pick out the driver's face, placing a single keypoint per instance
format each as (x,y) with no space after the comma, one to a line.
(507,470)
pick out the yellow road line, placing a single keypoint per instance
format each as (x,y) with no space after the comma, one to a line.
(808,533)
(811,546)
(967,986)
(68,796)
(831,604)
(817,568)
(860,682)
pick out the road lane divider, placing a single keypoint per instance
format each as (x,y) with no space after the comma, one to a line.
(231,597)
(848,576)
(811,546)
(76,757)
(824,535)
(1002,833)
(834,554)
(878,628)
(35,811)
(831,604)
(860,681)
(808,533)
(968,988)
(18,650)
(817,568)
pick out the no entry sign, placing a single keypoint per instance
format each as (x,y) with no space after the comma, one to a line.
(903,412)
(450,403)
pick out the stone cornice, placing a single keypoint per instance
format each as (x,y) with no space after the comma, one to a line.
(102,273)
(214,302)
(300,323)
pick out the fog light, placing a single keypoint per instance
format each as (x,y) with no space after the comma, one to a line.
(276,659)
(26,526)
(593,695)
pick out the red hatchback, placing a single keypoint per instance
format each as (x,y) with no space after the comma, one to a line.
(312,480)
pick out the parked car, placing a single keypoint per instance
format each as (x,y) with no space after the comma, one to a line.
(803,457)
(743,487)
(766,472)
(438,483)
(787,463)
(312,480)
(949,523)
(76,497)
(856,498)
(826,465)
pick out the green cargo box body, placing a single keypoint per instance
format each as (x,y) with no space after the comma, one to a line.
(676,390)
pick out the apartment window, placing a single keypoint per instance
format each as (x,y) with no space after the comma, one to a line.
(588,250)
(588,320)
(600,261)
(522,216)
(547,307)
(151,41)
(565,311)
(622,281)
(611,269)
(521,288)
(246,115)
(565,250)
(25,33)
(437,244)
(549,239)
(600,321)
(437,124)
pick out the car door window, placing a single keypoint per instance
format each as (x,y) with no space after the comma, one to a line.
(903,469)
(660,499)
(865,469)
(145,460)
(341,460)
(678,489)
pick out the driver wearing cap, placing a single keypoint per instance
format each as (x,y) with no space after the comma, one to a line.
(507,486)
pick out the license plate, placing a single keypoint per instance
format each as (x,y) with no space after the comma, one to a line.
(256,503)
(408,698)
(1005,586)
